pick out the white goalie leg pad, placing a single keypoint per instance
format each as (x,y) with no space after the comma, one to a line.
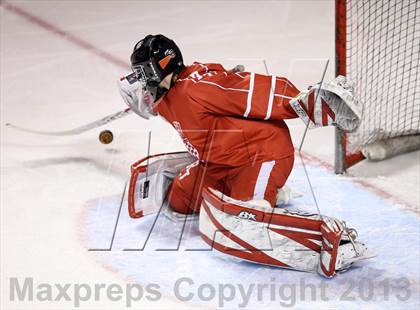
(255,232)
(150,179)
(335,104)
(260,234)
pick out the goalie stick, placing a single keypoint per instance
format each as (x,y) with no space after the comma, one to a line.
(105,120)
(76,131)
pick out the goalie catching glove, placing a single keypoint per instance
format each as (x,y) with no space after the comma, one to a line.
(333,103)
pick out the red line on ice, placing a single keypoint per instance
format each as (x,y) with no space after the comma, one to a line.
(64,35)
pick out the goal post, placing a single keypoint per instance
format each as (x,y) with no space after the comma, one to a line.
(377,47)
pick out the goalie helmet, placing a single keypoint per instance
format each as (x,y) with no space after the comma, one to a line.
(153,58)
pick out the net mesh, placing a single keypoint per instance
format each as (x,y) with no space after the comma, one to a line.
(382,58)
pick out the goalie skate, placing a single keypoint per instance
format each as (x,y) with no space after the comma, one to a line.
(350,253)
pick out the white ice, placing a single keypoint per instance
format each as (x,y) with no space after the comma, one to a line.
(60,196)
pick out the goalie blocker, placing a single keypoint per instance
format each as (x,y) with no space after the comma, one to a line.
(251,230)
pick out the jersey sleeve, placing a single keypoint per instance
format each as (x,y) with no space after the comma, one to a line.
(243,94)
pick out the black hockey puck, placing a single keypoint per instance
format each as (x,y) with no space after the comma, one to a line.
(106,137)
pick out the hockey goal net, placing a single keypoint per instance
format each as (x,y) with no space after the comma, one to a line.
(377,47)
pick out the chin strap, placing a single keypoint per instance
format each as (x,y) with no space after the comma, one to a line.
(173,79)
(175,76)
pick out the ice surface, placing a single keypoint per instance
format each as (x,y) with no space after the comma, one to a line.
(389,232)
(60,196)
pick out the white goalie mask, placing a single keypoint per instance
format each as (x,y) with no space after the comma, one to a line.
(136,97)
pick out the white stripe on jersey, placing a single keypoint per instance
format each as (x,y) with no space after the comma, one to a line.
(224,88)
(283,96)
(239,74)
(262,180)
(249,99)
(271,98)
(286,81)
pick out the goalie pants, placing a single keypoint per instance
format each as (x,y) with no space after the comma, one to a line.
(253,182)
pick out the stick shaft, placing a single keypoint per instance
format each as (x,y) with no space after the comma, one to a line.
(76,131)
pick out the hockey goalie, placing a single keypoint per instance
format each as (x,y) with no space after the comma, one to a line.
(239,157)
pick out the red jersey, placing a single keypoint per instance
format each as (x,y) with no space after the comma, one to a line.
(228,118)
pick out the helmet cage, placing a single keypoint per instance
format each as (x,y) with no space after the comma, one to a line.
(146,72)
(148,77)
